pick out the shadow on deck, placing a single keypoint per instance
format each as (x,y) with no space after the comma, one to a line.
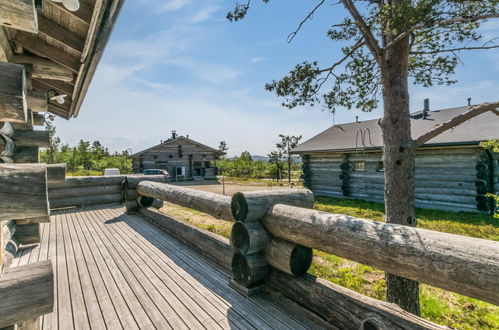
(119,271)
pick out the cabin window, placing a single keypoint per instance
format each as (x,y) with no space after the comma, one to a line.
(359,166)
(380,167)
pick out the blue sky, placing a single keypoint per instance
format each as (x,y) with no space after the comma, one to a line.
(180,65)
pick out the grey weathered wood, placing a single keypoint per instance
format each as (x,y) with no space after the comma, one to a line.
(249,270)
(8,229)
(26,155)
(83,191)
(131,206)
(61,34)
(290,258)
(37,119)
(143,201)
(13,93)
(23,191)
(56,173)
(42,68)
(31,139)
(212,246)
(37,47)
(33,220)
(85,201)
(27,292)
(7,146)
(252,205)
(6,159)
(465,265)
(6,128)
(86,181)
(37,101)
(28,233)
(157,204)
(248,238)
(344,308)
(9,252)
(19,15)
(213,204)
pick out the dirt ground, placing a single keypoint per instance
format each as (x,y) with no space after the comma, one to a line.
(232,186)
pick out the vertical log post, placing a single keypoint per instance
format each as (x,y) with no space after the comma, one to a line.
(13,103)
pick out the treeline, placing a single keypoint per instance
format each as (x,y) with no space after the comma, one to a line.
(87,158)
(281,162)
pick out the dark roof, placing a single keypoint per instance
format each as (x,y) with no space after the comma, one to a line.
(347,136)
(187,140)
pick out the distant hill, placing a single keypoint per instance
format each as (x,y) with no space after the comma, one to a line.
(256,157)
(266,159)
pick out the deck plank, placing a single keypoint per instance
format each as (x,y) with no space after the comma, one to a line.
(119,271)
(80,315)
(93,306)
(106,277)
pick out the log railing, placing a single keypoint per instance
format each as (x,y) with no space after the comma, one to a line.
(465,265)
(94,190)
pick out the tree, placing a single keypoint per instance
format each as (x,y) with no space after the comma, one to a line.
(50,154)
(222,147)
(275,158)
(288,142)
(390,43)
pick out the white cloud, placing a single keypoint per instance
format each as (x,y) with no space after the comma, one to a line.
(204,14)
(172,5)
(258,59)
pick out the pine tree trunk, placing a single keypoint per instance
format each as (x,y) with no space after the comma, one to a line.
(399,162)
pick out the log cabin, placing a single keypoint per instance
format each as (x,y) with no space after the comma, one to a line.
(452,171)
(183,158)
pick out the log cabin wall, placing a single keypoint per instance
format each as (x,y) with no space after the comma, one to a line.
(196,159)
(446,178)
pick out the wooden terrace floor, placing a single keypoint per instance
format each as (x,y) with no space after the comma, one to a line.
(115,271)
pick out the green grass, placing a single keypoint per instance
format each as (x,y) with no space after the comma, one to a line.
(437,305)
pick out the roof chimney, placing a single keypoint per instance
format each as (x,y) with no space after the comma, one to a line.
(426,108)
(469,101)
(174,134)
(356,119)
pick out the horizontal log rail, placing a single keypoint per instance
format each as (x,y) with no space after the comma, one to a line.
(27,292)
(464,265)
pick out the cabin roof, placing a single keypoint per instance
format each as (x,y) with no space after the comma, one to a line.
(177,139)
(346,137)
(71,42)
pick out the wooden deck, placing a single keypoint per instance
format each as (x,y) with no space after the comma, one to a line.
(119,271)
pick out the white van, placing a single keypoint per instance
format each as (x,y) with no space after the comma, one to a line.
(111,171)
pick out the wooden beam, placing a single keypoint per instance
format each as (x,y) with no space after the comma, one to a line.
(5,48)
(27,292)
(13,104)
(24,191)
(37,119)
(42,68)
(60,86)
(19,15)
(27,233)
(56,173)
(57,110)
(26,155)
(83,14)
(61,34)
(41,48)
(37,101)
(31,139)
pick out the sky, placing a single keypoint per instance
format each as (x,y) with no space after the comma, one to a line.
(180,65)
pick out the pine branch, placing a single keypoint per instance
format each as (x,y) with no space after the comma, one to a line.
(371,41)
(359,44)
(453,50)
(440,23)
(458,120)
(292,35)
